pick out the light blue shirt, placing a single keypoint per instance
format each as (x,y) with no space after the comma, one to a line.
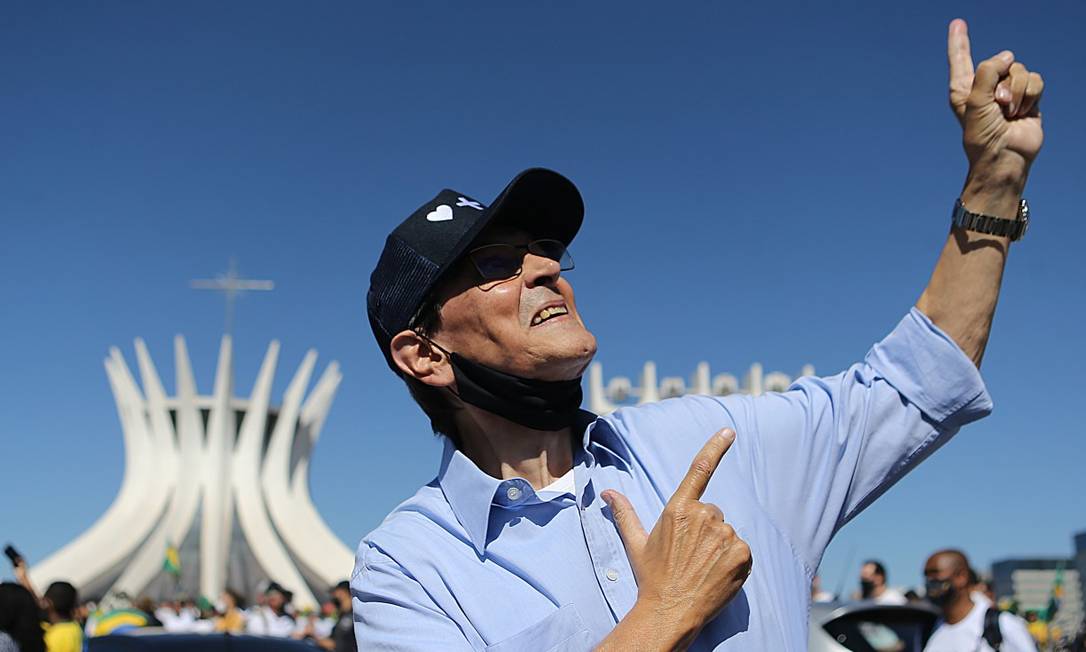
(476,563)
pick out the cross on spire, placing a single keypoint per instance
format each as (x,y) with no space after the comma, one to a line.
(232,285)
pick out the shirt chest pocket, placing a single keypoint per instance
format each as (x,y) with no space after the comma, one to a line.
(562,631)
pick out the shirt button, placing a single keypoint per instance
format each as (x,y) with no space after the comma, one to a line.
(612,574)
(513,493)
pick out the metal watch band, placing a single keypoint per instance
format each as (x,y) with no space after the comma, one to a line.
(989,224)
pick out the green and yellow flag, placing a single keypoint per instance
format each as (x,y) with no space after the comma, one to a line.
(1055,599)
(172,563)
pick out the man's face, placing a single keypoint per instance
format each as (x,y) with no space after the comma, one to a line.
(945,578)
(276,600)
(868,573)
(342,599)
(939,568)
(495,322)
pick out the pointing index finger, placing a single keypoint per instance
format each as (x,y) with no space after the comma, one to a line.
(957,52)
(704,465)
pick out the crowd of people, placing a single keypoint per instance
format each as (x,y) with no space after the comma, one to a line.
(57,621)
(973,618)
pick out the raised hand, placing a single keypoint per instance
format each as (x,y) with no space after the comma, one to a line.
(692,563)
(997,105)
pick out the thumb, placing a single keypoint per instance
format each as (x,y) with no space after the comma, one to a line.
(989,72)
(629,525)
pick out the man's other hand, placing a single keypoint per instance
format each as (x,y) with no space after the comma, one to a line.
(692,563)
(998,106)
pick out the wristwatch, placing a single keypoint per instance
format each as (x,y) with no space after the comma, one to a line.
(1014,229)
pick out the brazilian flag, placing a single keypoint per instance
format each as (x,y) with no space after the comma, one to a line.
(172,563)
(119,621)
(1056,597)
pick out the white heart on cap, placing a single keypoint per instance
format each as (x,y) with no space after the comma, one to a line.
(442,213)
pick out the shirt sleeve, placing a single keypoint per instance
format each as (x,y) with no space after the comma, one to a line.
(393,612)
(7,644)
(826,448)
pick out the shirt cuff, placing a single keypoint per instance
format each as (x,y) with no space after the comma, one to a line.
(926,367)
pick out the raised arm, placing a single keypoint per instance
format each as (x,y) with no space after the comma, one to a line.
(22,576)
(998,108)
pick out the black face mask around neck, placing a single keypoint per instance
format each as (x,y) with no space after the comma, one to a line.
(537,404)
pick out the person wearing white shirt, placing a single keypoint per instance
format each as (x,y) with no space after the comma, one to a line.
(272,619)
(873,585)
(817,594)
(265,621)
(946,577)
(891,596)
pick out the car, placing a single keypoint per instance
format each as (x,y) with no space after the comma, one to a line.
(218,642)
(870,627)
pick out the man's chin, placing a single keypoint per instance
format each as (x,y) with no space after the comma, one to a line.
(571,362)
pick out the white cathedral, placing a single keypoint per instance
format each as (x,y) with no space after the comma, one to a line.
(222,480)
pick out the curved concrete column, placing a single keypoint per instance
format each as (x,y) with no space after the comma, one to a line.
(139,502)
(319,549)
(176,467)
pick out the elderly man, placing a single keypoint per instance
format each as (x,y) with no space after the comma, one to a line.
(548,528)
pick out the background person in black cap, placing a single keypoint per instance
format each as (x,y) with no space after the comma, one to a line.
(273,617)
(531,536)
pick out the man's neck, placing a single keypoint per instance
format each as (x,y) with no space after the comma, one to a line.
(956,611)
(503,449)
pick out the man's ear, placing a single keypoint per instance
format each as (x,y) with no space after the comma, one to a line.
(960,579)
(418,358)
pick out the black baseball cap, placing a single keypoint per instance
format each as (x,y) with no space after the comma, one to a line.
(422,249)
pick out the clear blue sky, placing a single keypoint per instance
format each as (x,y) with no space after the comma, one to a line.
(763,183)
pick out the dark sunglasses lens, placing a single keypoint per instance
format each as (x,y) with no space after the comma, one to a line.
(497,261)
(553,249)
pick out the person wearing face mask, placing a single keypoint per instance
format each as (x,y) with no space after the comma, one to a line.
(873,585)
(692,522)
(968,625)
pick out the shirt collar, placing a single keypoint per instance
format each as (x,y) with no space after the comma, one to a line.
(471,493)
(600,434)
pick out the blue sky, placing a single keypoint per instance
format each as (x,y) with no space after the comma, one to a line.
(763,183)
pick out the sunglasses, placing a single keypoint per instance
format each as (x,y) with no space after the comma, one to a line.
(498,262)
